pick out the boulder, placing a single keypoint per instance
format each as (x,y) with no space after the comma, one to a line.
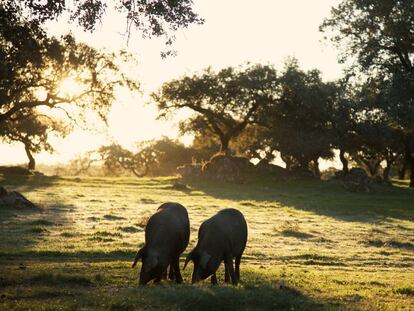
(179,186)
(226,168)
(14,199)
(191,170)
(357,180)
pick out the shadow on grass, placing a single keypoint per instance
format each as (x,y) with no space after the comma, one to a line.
(27,183)
(20,229)
(257,293)
(256,297)
(53,256)
(326,198)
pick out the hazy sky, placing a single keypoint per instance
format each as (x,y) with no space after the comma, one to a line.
(235,31)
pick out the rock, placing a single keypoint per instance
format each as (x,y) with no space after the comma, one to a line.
(357,172)
(179,186)
(15,199)
(357,180)
(191,170)
(226,168)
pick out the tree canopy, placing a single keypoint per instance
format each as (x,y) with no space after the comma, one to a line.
(380,34)
(34,65)
(33,131)
(150,18)
(298,121)
(224,103)
(42,77)
(139,163)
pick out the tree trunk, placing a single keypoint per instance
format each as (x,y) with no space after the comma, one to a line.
(387,169)
(344,160)
(372,167)
(316,170)
(224,147)
(304,164)
(376,167)
(410,160)
(32,162)
(403,169)
(288,162)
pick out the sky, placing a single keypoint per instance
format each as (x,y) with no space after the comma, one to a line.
(234,32)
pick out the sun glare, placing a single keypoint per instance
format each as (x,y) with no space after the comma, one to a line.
(69,87)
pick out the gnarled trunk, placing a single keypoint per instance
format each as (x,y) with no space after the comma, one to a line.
(316,170)
(32,163)
(344,160)
(224,145)
(373,167)
(409,156)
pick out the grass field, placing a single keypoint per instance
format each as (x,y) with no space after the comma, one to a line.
(312,246)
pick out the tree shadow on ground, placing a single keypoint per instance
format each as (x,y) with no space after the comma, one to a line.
(21,228)
(27,183)
(257,293)
(326,198)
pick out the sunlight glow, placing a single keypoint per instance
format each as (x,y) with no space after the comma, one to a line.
(69,87)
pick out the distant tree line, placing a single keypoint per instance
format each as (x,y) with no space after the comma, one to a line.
(259,112)
(159,157)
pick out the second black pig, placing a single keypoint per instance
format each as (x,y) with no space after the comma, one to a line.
(220,238)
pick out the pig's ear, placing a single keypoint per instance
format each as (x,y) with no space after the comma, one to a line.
(205,257)
(187,260)
(138,256)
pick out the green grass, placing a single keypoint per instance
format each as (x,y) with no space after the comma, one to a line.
(312,246)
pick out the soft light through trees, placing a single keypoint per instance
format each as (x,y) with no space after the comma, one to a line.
(42,75)
(223,102)
(379,35)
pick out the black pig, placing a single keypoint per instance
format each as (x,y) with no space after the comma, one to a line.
(220,238)
(166,236)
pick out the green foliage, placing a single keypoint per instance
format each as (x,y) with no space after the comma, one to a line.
(34,66)
(224,103)
(383,122)
(299,120)
(378,33)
